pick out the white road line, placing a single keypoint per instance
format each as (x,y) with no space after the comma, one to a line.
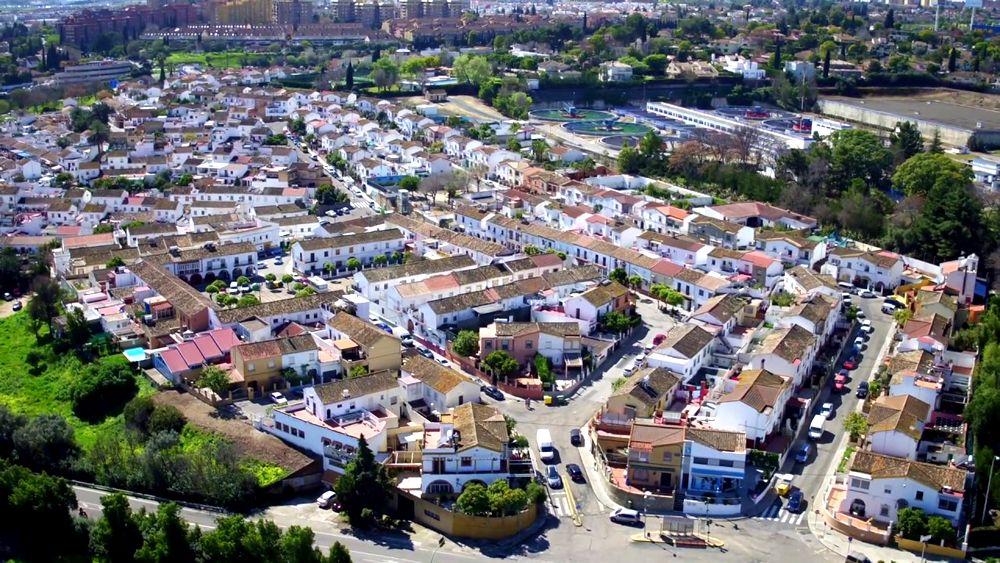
(784,516)
(798,521)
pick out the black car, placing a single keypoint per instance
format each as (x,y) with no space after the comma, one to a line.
(575,473)
(862,390)
(492,392)
(576,437)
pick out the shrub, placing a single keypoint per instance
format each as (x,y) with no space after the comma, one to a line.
(103,389)
(536,492)
(166,418)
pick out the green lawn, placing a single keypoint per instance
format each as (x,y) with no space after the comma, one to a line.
(226,59)
(844,460)
(47,392)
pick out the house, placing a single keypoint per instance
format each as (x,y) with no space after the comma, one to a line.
(721,313)
(716,232)
(880,485)
(333,417)
(787,352)
(895,425)
(817,314)
(758,215)
(594,303)
(879,271)
(311,257)
(470,444)
(184,361)
(791,248)
(685,349)
(259,367)
(655,457)
(926,331)
(753,404)
(434,387)
(361,343)
(803,281)
(615,71)
(558,342)
(647,392)
(714,464)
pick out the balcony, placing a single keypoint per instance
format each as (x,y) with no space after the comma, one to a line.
(338,456)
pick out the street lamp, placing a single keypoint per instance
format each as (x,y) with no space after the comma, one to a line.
(645,511)
(989,482)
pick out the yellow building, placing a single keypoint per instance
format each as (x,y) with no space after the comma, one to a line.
(244,12)
(655,457)
(362,343)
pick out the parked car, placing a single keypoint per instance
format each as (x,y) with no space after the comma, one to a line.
(658,339)
(278,261)
(552,477)
(826,410)
(839,383)
(575,473)
(850,364)
(846,297)
(576,437)
(867,329)
(866,293)
(234,288)
(625,516)
(278,398)
(888,309)
(8,297)
(859,343)
(425,352)
(327,499)
(629,369)
(859,314)
(492,392)
(802,455)
(794,501)
(17,306)
(862,390)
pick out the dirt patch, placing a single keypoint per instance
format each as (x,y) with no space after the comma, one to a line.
(250,442)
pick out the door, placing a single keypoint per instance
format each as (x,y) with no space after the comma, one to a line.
(666,480)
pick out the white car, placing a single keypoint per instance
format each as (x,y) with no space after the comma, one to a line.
(326,499)
(866,293)
(629,369)
(860,314)
(278,398)
(234,288)
(826,410)
(867,329)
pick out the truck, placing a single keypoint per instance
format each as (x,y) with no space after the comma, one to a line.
(816,427)
(546,450)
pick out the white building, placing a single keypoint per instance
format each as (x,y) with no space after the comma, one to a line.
(895,425)
(753,404)
(470,444)
(310,257)
(615,71)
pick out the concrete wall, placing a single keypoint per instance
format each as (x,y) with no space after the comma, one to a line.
(475,527)
(950,135)
(932,549)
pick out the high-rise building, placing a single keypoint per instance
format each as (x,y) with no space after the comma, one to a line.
(292,12)
(344,11)
(411,9)
(244,12)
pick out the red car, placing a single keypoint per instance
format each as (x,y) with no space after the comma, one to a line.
(658,339)
(839,382)
(850,364)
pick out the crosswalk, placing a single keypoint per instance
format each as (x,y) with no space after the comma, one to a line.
(777,513)
(560,505)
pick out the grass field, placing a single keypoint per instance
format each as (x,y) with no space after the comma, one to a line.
(226,59)
(49,391)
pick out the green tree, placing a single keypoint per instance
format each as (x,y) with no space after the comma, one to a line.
(474,500)
(44,304)
(616,322)
(247,301)
(35,509)
(941,529)
(357,371)
(77,331)
(911,523)
(906,141)
(243,280)
(634,281)
(919,174)
(349,79)
(117,536)
(471,69)
(466,343)
(539,150)
(103,389)
(505,501)
(629,160)
(212,377)
(385,73)
(339,554)
(411,183)
(857,154)
(364,485)
(166,536)
(619,275)
(935,147)
(856,425)
(501,364)
(353,263)
(651,145)
(114,263)
(166,418)
(46,443)
(513,145)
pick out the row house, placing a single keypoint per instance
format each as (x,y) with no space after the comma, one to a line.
(312,257)
(880,271)
(558,342)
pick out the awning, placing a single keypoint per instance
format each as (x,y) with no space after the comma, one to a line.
(735,474)
(487,309)
(574,362)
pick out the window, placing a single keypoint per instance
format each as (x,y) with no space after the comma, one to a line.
(862,484)
(251,367)
(701,460)
(393,400)
(947,504)
(919,495)
(527,344)
(466,462)
(884,511)
(668,457)
(270,363)
(725,463)
(888,490)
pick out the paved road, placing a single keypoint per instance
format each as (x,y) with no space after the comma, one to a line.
(811,475)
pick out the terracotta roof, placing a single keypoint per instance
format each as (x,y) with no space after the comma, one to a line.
(418,266)
(915,360)
(810,280)
(900,413)
(358,330)
(722,307)
(480,426)
(688,339)
(602,294)
(758,388)
(333,391)
(571,328)
(259,350)
(719,440)
(650,392)
(789,344)
(937,477)
(440,378)
(653,435)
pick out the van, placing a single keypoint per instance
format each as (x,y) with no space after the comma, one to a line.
(855,557)
(846,286)
(625,516)
(546,451)
(816,427)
